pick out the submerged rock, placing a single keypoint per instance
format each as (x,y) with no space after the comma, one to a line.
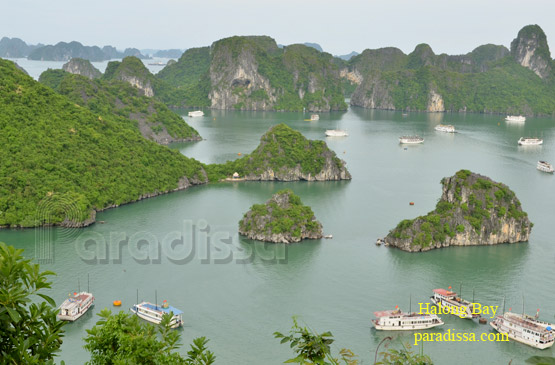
(473,210)
(283,219)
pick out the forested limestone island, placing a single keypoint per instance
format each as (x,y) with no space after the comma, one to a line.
(63,51)
(473,210)
(62,162)
(16,48)
(117,97)
(284,155)
(490,79)
(253,73)
(282,219)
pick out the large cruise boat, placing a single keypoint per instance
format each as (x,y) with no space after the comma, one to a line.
(196,113)
(75,306)
(445,128)
(395,320)
(153,313)
(454,304)
(411,139)
(515,118)
(544,166)
(528,141)
(526,329)
(336,133)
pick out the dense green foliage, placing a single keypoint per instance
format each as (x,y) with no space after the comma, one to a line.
(283,213)
(122,339)
(487,80)
(280,148)
(29,331)
(403,356)
(132,67)
(314,348)
(299,76)
(118,98)
(485,199)
(189,68)
(51,147)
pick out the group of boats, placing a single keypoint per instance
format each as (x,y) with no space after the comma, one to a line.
(78,304)
(518,327)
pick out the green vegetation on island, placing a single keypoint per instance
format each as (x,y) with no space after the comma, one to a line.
(490,79)
(286,155)
(473,210)
(57,154)
(282,219)
(118,99)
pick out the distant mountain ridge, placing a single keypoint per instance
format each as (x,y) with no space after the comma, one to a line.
(490,79)
(253,73)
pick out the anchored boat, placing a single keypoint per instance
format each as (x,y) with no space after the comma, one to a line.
(528,141)
(544,166)
(515,118)
(196,113)
(453,303)
(410,139)
(445,128)
(525,329)
(395,320)
(153,313)
(75,306)
(314,117)
(336,133)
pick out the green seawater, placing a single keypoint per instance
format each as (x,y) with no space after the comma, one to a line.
(238,292)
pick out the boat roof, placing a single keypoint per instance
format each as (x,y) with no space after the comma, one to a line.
(387,313)
(160,308)
(444,292)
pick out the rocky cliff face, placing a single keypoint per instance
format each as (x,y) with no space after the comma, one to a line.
(473,210)
(236,82)
(79,66)
(373,93)
(253,73)
(132,71)
(283,219)
(435,102)
(530,49)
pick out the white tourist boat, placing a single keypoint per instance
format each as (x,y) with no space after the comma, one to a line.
(411,139)
(544,166)
(336,133)
(75,306)
(445,128)
(196,113)
(515,118)
(528,141)
(314,117)
(454,304)
(153,313)
(395,320)
(525,329)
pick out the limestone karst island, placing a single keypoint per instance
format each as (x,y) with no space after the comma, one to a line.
(221,183)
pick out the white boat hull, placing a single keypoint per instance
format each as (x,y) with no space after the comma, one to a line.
(512,336)
(448,305)
(174,323)
(415,327)
(65,315)
(336,133)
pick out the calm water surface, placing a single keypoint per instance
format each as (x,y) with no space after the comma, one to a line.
(238,292)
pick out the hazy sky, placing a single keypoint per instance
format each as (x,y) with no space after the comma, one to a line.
(452,27)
